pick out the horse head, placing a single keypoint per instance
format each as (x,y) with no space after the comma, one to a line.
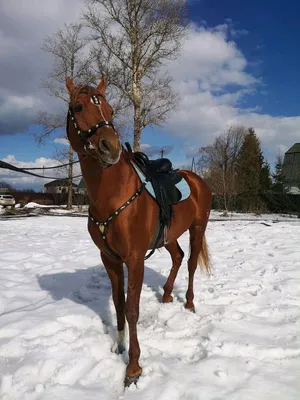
(90,129)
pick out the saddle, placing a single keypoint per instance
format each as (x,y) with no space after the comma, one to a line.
(163,179)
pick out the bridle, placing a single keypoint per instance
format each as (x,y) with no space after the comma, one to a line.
(85,135)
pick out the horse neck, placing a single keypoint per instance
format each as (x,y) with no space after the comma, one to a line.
(108,188)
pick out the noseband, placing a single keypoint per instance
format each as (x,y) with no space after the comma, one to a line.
(85,135)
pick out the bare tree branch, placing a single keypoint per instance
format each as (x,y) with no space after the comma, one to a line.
(221,160)
(71,57)
(132,41)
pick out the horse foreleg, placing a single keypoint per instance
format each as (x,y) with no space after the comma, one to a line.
(135,282)
(115,272)
(177,255)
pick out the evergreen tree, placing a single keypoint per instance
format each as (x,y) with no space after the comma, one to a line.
(265,177)
(253,174)
(278,176)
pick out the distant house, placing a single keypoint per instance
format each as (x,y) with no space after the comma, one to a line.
(81,189)
(291,169)
(58,186)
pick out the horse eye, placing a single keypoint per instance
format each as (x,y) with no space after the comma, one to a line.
(78,108)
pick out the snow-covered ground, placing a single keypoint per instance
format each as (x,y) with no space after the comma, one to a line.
(57,320)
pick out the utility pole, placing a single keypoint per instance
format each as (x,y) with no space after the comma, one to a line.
(162,152)
(43,187)
(193,168)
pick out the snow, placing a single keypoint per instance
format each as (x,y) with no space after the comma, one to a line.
(55,209)
(32,204)
(57,322)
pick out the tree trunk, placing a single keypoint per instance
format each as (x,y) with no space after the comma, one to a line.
(224,190)
(137,130)
(70,176)
(136,137)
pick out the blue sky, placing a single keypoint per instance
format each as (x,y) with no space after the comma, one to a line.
(269,39)
(271,45)
(240,64)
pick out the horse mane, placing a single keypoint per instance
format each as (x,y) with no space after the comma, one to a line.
(127,153)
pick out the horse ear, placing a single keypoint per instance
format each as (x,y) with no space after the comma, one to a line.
(70,85)
(102,85)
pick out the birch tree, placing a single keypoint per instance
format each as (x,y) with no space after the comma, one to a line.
(71,57)
(134,40)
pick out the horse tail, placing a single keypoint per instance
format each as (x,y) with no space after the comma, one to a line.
(204,257)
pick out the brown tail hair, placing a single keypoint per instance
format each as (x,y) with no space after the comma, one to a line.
(204,257)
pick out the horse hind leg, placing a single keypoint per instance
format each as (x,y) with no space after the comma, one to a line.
(177,255)
(198,255)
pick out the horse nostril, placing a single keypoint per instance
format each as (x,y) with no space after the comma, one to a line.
(103,145)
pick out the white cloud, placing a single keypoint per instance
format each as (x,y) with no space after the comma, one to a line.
(212,79)
(62,141)
(23,26)
(211,60)
(13,105)
(212,76)
(152,151)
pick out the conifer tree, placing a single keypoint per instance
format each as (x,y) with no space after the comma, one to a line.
(278,176)
(253,174)
(265,177)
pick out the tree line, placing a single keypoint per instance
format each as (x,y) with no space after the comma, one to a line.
(240,177)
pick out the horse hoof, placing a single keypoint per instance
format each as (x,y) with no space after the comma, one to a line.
(119,345)
(190,308)
(167,298)
(131,379)
(118,348)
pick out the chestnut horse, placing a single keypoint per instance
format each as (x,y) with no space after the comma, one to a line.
(124,236)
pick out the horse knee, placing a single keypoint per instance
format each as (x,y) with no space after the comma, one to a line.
(178,258)
(132,314)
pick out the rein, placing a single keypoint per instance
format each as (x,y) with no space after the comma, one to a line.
(11,167)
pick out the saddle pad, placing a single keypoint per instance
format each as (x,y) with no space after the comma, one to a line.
(182,186)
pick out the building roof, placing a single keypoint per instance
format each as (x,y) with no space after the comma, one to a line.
(291,165)
(294,149)
(59,182)
(81,184)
